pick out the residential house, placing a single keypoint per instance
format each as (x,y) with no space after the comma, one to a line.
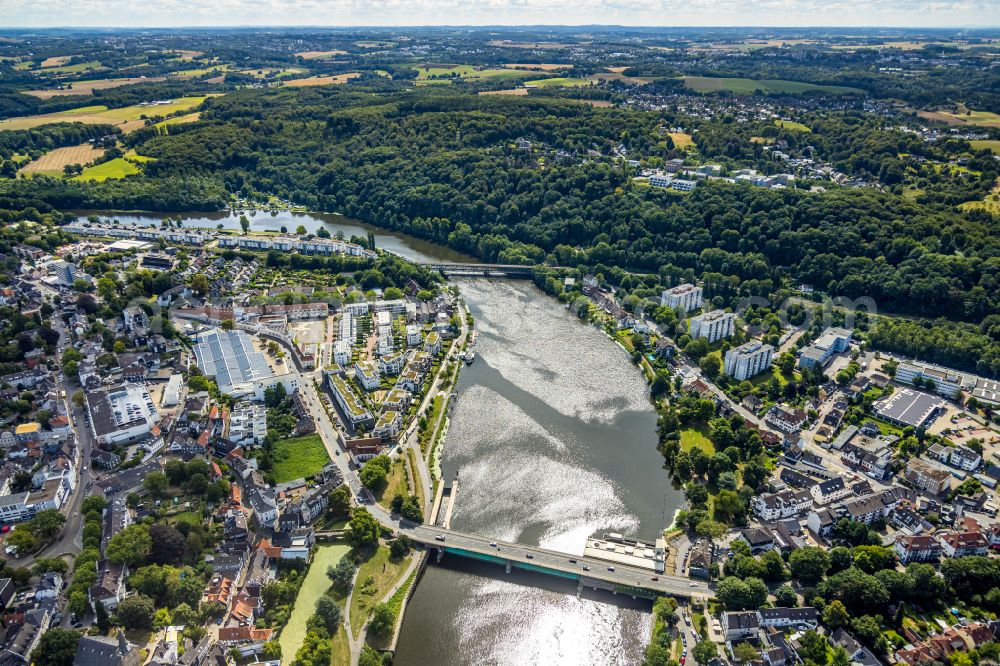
(919,548)
(964,544)
(740,625)
(829,491)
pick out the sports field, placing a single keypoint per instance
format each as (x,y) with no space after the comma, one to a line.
(88,87)
(52,162)
(322,80)
(129,118)
(747,86)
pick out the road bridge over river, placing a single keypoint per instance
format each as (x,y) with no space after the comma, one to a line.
(487,270)
(588,571)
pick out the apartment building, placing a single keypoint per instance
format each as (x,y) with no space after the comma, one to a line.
(712,326)
(748,359)
(927,478)
(686,296)
(775,506)
(388,427)
(366,372)
(919,548)
(349,403)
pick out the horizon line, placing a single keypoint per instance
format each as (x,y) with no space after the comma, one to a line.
(675,26)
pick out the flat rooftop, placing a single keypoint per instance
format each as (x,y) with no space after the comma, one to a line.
(909,407)
(625,551)
(230,358)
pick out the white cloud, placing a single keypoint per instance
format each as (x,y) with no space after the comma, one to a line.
(930,13)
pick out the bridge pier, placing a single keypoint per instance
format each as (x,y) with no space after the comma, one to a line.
(440,554)
(579,588)
(507,567)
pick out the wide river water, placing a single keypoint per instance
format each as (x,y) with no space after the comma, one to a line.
(408,246)
(553,438)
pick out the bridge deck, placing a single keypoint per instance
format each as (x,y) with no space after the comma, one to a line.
(557,563)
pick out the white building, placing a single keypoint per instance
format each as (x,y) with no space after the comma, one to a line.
(172,391)
(748,359)
(367,375)
(248,424)
(775,506)
(326,246)
(413,336)
(342,353)
(391,364)
(712,326)
(388,426)
(432,345)
(348,402)
(121,415)
(687,297)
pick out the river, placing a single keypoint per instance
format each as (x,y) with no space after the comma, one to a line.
(408,246)
(554,439)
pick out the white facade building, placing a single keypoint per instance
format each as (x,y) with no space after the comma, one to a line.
(685,296)
(712,326)
(747,360)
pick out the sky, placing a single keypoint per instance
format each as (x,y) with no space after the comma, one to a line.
(795,13)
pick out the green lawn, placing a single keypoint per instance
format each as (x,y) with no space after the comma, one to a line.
(696,437)
(792,125)
(396,483)
(314,585)
(747,86)
(375,577)
(299,457)
(395,602)
(112,169)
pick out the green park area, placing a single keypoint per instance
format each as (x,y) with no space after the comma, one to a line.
(314,585)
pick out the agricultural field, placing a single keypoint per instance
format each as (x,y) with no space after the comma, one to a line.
(682,140)
(274,72)
(89,66)
(52,162)
(993,145)
(323,80)
(560,81)
(319,55)
(544,67)
(792,125)
(133,156)
(110,170)
(55,61)
(129,118)
(965,116)
(88,87)
(200,71)
(178,120)
(299,457)
(747,86)
(517,92)
(436,72)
